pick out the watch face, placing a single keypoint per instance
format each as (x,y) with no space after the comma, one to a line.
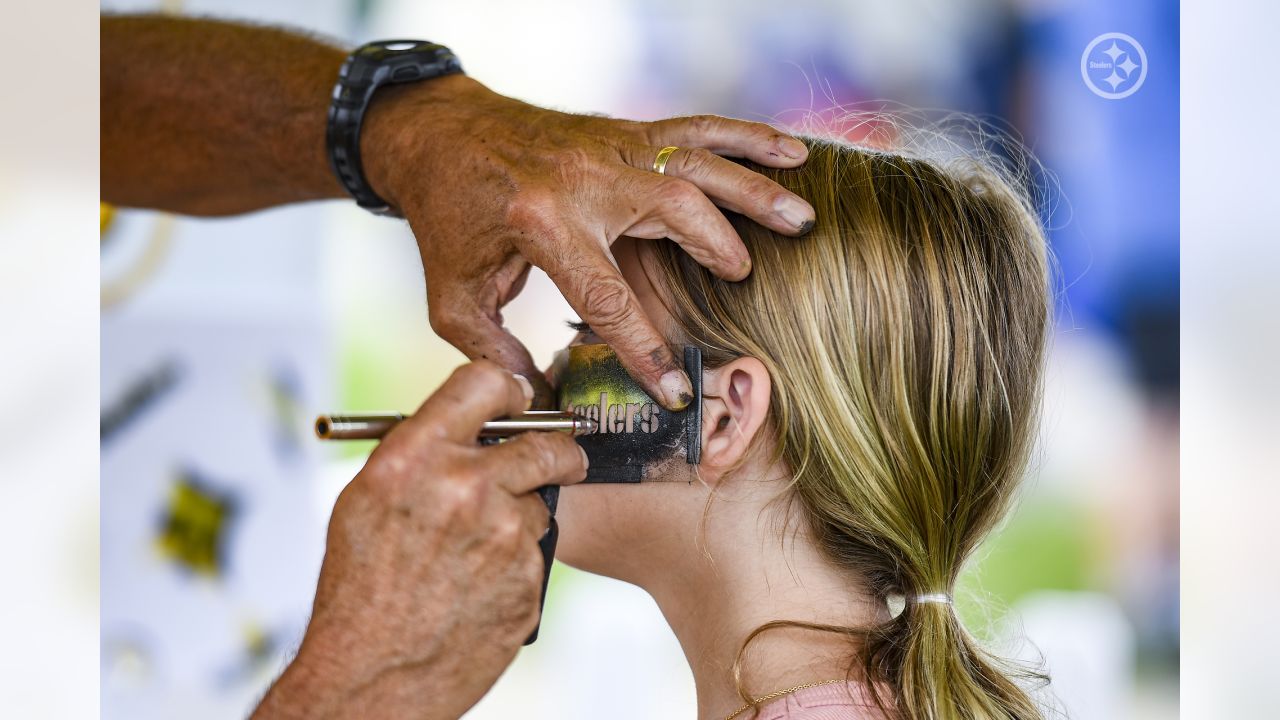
(402,45)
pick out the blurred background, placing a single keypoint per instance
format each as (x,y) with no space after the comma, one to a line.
(221,339)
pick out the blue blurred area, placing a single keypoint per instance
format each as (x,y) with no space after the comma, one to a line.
(1117,162)
(1112,164)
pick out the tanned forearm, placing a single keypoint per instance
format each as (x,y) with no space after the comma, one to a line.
(212,118)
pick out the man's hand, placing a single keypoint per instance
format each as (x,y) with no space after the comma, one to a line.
(490,184)
(432,572)
(213,118)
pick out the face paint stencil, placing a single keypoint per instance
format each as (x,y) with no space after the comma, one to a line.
(637,439)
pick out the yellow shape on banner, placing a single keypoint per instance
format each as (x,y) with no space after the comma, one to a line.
(258,643)
(193,526)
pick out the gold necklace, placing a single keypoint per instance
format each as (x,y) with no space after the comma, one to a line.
(779,693)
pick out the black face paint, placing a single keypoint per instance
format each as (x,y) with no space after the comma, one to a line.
(637,440)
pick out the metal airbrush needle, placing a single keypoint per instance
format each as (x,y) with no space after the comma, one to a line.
(373,426)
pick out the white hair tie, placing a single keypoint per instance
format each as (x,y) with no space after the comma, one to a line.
(942,598)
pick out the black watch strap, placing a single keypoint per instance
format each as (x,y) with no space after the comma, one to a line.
(371,66)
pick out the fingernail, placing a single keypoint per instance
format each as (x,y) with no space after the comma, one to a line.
(795,212)
(792,148)
(586,462)
(676,390)
(526,387)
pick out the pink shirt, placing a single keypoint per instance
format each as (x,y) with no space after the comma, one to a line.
(848,701)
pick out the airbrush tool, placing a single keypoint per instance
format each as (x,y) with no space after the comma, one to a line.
(374,426)
(627,435)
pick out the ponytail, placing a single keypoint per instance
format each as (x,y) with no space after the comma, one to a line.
(939,672)
(936,670)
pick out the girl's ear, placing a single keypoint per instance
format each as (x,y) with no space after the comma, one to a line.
(735,402)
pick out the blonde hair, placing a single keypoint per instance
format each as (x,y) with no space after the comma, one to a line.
(904,337)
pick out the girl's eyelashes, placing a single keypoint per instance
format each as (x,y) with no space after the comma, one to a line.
(578,326)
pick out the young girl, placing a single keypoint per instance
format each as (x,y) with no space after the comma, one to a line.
(871,394)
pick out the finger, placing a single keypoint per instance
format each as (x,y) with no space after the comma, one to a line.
(741,190)
(458,318)
(473,394)
(677,209)
(726,136)
(533,459)
(534,514)
(597,291)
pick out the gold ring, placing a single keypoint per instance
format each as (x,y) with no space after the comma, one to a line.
(660,162)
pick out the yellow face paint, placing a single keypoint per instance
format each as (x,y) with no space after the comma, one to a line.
(637,439)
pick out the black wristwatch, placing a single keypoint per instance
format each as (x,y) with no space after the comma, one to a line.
(368,68)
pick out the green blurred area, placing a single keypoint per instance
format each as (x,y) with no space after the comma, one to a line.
(377,374)
(365,388)
(1046,544)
